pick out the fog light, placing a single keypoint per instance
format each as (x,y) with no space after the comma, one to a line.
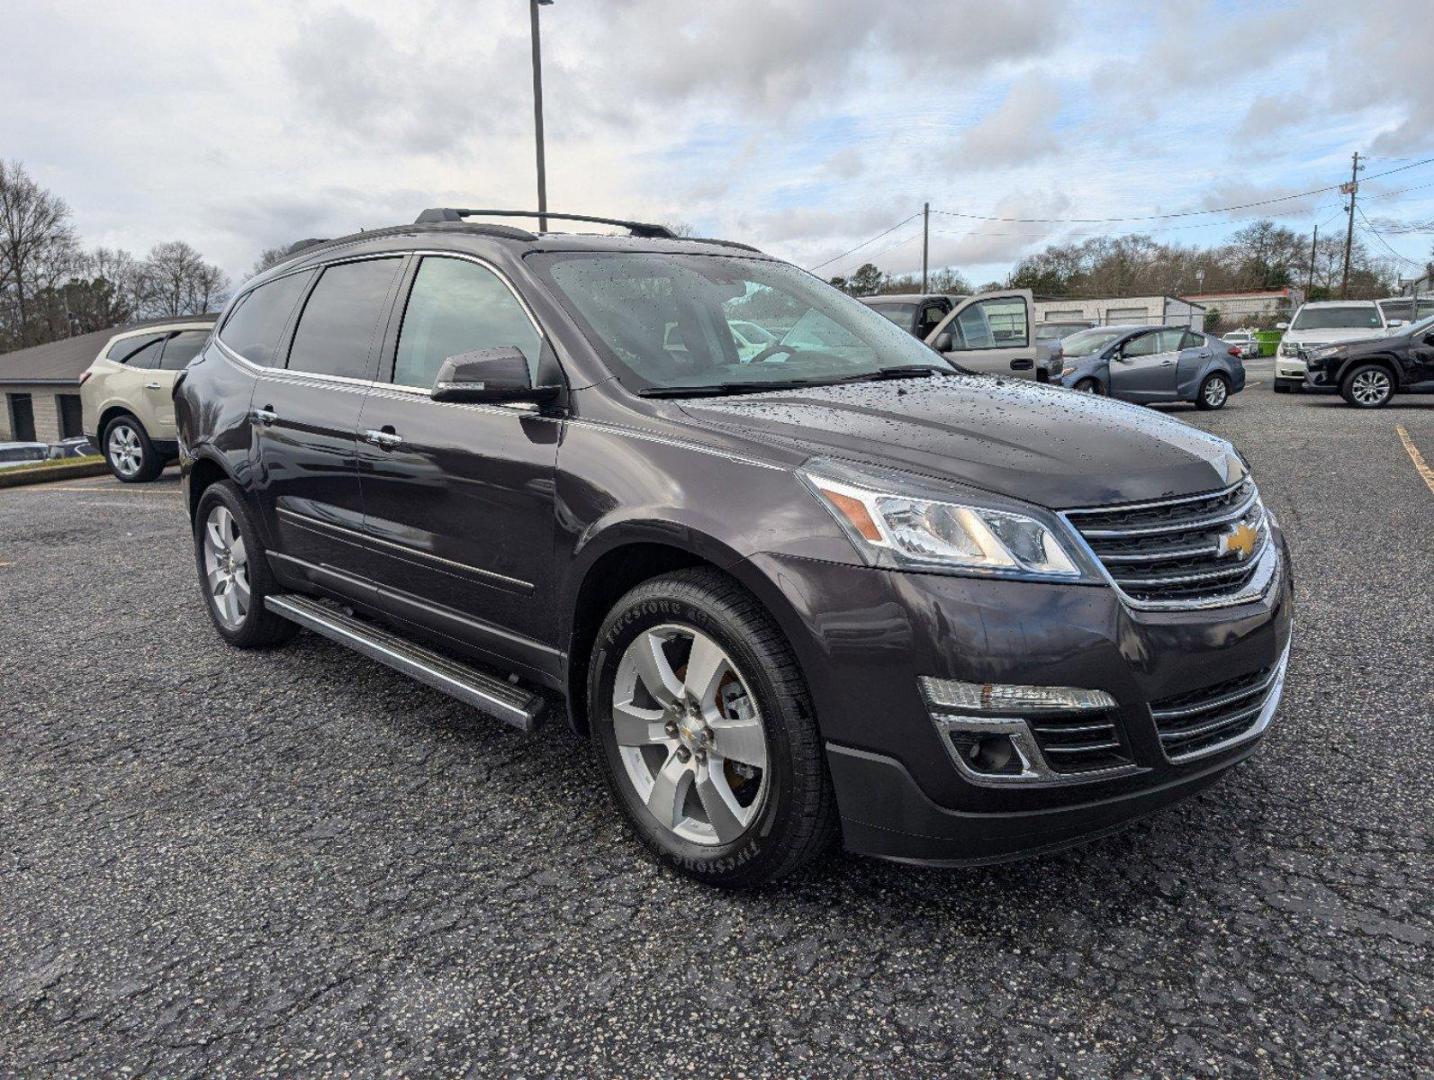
(991,755)
(950,695)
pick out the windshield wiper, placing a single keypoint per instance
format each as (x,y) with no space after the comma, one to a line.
(722,389)
(899,371)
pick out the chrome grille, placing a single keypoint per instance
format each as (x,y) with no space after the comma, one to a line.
(1215,717)
(1080,742)
(1169,553)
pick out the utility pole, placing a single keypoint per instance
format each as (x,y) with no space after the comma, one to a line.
(925,240)
(1351,189)
(538,112)
(1309,281)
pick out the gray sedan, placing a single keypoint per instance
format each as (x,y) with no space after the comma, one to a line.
(1153,363)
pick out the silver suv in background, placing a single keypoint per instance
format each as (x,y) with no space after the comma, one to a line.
(1315,325)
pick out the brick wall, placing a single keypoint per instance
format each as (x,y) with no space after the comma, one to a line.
(46,407)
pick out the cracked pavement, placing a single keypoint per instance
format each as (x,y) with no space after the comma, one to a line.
(297,863)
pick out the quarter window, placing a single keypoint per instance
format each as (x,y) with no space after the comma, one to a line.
(257,322)
(124,348)
(336,330)
(455,307)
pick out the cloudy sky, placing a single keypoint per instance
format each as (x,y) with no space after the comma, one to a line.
(803,126)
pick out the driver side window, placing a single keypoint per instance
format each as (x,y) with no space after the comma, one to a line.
(455,307)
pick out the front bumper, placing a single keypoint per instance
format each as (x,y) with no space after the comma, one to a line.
(865,637)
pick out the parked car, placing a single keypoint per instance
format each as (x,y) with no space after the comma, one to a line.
(1153,363)
(1321,323)
(1370,371)
(1244,341)
(995,333)
(125,395)
(951,618)
(73,447)
(916,313)
(15,454)
(1399,310)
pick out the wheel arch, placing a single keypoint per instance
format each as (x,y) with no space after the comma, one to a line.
(111,413)
(1383,360)
(206,470)
(627,554)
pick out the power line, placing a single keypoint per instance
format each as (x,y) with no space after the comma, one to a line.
(874,239)
(1369,228)
(1175,214)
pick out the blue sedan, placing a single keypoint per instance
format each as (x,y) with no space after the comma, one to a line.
(1152,363)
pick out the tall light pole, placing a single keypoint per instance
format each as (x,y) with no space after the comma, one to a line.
(533,6)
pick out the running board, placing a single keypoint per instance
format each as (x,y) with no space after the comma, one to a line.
(485,692)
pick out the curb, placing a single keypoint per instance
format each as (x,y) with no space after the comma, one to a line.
(19,477)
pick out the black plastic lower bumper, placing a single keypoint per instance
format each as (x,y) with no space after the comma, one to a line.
(872,788)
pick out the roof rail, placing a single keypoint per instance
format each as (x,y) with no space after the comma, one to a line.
(637,228)
(300,245)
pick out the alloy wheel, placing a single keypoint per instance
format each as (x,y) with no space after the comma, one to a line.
(226,567)
(689,734)
(1370,387)
(125,450)
(1216,392)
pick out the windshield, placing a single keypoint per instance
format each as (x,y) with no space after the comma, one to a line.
(664,322)
(1089,342)
(1338,318)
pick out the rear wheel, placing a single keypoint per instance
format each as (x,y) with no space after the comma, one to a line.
(233,571)
(1214,392)
(705,733)
(131,456)
(1369,386)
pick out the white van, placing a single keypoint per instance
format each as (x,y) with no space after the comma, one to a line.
(1322,323)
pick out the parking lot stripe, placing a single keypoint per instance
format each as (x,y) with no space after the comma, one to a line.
(1416,457)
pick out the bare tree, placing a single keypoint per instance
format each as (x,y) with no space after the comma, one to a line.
(177,281)
(37,251)
(269,257)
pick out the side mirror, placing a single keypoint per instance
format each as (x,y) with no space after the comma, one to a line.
(1395,322)
(491,375)
(942,342)
(1282,326)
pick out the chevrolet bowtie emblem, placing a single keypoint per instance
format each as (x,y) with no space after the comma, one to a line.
(1239,541)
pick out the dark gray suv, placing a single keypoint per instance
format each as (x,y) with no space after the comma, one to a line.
(836,587)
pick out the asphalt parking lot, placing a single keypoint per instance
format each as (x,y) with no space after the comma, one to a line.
(298,863)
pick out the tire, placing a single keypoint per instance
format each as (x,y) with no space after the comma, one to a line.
(235,601)
(1369,386)
(1090,386)
(1282,388)
(781,813)
(131,456)
(1214,392)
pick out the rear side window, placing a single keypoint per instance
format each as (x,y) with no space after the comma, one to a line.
(147,356)
(457,306)
(182,348)
(1192,341)
(125,348)
(255,325)
(336,329)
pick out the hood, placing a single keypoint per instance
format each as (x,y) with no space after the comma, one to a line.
(1042,444)
(1358,346)
(1333,335)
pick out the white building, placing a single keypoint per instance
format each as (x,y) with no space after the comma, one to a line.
(1123,310)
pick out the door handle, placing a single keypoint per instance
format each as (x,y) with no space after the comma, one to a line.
(1022,365)
(387,440)
(265,416)
(153,386)
(1166,363)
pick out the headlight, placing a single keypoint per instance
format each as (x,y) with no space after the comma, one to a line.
(900,522)
(1289,348)
(1322,353)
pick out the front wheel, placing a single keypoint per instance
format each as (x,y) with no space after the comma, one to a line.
(1214,392)
(705,733)
(1368,387)
(1090,386)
